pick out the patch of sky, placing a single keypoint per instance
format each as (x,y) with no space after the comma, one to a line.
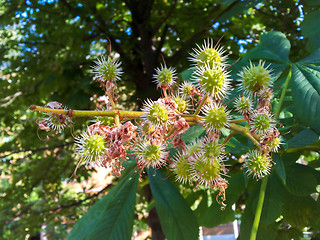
(241,43)
(129,31)
(259,5)
(76,19)
(43,2)
(216,25)
(80,5)
(301,17)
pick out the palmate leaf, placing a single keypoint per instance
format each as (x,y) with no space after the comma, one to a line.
(306,94)
(176,218)
(303,138)
(300,180)
(273,46)
(112,216)
(310,28)
(301,211)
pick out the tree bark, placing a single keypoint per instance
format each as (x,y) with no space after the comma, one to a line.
(153,218)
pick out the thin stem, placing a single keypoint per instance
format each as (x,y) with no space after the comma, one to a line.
(228,138)
(244,131)
(238,120)
(256,220)
(283,94)
(204,99)
(116,119)
(90,113)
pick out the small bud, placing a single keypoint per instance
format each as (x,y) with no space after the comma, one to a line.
(150,154)
(91,147)
(257,164)
(216,117)
(208,54)
(165,77)
(212,80)
(243,105)
(107,70)
(261,121)
(256,78)
(157,113)
(182,168)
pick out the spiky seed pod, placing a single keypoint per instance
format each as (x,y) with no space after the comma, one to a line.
(57,122)
(165,77)
(194,147)
(212,80)
(243,105)
(186,90)
(182,168)
(145,127)
(150,154)
(207,172)
(157,113)
(257,164)
(261,122)
(208,54)
(212,149)
(91,148)
(215,117)
(182,104)
(107,70)
(274,144)
(256,77)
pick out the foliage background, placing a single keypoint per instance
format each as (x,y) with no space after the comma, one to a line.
(47,48)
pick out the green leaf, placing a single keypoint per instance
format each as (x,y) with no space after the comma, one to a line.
(186,75)
(280,168)
(300,180)
(303,138)
(236,147)
(176,218)
(274,46)
(306,95)
(273,201)
(313,58)
(310,29)
(210,214)
(312,2)
(112,216)
(193,133)
(301,211)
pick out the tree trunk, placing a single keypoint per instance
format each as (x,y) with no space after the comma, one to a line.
(153,219)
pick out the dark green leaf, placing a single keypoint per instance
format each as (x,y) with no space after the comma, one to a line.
(236,147)
(186,75)
(300,180)
(310,28)
(313,58)
(274,46)
(306,95)
(177,219)
(280,168)
(303,138)
(301,211)
(112,216)
(210,214)
(273,201)
(193,133)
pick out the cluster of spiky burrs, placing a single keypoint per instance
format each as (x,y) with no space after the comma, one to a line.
(160,124)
